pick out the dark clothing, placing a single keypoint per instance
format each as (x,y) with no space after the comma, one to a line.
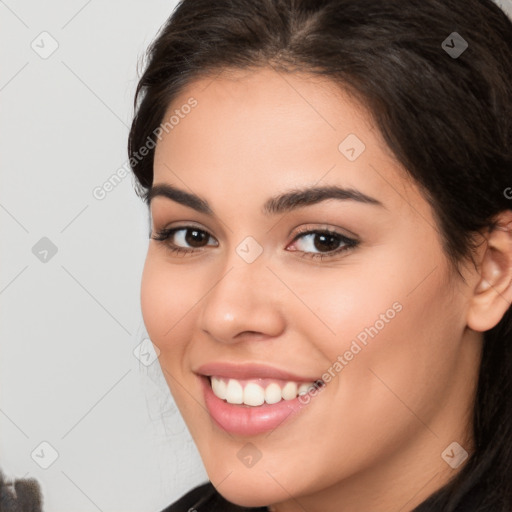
(205,498)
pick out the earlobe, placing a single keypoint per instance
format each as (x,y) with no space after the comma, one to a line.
(493,293)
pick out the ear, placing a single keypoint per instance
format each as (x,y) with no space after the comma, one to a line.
(492,296)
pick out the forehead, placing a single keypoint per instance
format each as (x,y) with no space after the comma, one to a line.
(269,127)
(269,105)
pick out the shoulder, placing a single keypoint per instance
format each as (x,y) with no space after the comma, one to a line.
(188,501)
(477,498)
(205,498)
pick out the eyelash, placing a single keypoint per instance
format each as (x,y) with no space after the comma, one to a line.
(350,243)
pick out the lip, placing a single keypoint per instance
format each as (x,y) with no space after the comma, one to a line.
(245,420)
(249,371)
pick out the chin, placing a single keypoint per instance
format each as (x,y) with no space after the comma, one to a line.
(248,493)
(258,486)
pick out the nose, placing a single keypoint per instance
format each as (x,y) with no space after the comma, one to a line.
(245,302)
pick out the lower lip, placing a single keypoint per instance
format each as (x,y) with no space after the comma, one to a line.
(246,420)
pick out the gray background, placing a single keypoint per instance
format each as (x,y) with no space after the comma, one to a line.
(70,320)
(70,323)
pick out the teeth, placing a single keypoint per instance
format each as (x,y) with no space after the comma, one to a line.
(273,393)
(304,388)
(234,392)
(219,388)
(254,394)
(289,391)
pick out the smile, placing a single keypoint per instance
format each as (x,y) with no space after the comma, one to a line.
(252,399)
(257,392)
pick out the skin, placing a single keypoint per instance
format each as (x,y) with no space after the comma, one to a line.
(372,438)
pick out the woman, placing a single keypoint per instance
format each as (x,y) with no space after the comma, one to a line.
(329,274)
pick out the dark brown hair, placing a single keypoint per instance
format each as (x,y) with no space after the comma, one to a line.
(447,119)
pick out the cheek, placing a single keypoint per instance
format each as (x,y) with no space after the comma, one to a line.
(167,297)
(395,305)
(392,318)
(398,350)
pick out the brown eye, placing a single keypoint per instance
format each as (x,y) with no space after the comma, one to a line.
(184,239)
(195,237)
(325,242)
(322,243)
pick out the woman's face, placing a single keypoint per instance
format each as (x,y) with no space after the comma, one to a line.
(265,296)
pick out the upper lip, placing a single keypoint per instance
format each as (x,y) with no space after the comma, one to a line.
(249,371)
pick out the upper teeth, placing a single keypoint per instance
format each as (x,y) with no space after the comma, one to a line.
(255,394)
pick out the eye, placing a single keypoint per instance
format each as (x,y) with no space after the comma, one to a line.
(177,239)
(323,243)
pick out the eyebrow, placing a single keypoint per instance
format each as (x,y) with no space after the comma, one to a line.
(282,203)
